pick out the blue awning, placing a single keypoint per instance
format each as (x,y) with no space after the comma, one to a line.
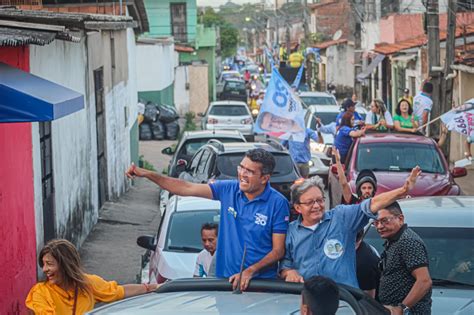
(26,98)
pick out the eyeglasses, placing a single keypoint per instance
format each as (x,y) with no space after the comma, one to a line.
(384,221)
(311,203)
(245,171)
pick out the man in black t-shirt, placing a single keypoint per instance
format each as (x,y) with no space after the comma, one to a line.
(368,272)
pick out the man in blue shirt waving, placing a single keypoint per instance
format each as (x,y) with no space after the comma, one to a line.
(253,216)
(323,242)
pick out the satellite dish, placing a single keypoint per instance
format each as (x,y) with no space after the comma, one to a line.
(337,35)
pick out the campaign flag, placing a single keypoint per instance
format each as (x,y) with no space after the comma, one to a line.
(269,56)
(296,83)
(315,52)
(281,113)
(460,121)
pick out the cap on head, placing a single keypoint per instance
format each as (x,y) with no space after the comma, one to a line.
(347,103)
(406,91)
(366,176)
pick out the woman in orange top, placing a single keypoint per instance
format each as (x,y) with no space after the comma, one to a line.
(68,289)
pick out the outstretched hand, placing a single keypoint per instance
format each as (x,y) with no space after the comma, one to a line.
(133,171)
(411,180)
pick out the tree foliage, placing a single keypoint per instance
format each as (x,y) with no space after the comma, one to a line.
(228,33)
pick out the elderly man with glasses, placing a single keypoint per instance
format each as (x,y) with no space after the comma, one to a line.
(323,242)
(253,216)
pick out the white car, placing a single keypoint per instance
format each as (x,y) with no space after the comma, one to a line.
(172,253)
(228,115)
(317,98)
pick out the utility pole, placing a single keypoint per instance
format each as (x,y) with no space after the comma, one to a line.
(432,11)
(447,82)
(309,68)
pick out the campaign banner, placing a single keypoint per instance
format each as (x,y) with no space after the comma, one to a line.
(460,121)
(296,83)
(281,113)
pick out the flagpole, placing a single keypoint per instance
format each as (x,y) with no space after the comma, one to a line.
(439,117)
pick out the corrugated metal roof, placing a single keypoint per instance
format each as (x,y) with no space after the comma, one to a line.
(329,43)
(20,37)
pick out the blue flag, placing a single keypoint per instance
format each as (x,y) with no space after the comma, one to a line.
(296,83)
(281,114)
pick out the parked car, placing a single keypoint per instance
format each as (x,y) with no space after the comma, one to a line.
(214,296)
(391,156)
(317,98)
(172,252)
(191,141)
(217,160)
(226,75)
(228,115)
(234,90)
(446,225)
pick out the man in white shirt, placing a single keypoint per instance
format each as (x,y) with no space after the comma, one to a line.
(209,241)
(422,103)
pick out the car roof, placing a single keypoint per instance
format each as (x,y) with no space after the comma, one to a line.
(228,103)
(313,93)
(235,80)
(381,137)
(237,147)
(213,133)
(439,211)
(325,108)
(196,204)
(230,72)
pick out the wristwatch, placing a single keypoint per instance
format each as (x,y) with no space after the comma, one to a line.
(405,309)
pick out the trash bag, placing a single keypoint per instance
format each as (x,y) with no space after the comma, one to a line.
(167,113)
(158,130)
(172,130)
(151,112)
(145,131)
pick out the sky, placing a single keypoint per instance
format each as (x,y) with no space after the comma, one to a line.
(216,3)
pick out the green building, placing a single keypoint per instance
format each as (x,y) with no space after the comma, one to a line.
(178,18)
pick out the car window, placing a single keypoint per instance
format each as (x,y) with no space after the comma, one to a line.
(327,118)
(399,157)
(448,248)
(233,85)
(229,110)
(318,100)
(226,76)
(193,145)
(184,230)
(227,164)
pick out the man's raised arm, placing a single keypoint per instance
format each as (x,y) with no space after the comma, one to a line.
(381,201)
(173,185)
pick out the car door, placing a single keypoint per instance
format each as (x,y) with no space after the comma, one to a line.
(200,175)
(190,172)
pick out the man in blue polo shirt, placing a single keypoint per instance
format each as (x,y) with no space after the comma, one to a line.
(253,216)
(348,105)
(323,242)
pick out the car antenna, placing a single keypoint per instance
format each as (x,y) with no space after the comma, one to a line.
(237,289)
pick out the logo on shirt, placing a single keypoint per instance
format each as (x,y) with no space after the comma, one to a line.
(232,212)
(333,248)
(261,219)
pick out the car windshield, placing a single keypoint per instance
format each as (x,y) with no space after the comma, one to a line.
(184,231)
(449,249)
(226,76)
(326,118)
(235,85)
(191,146)
(227,164)
(399,157)
(229,110)
(318,100)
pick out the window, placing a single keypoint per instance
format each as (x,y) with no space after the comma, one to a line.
(226,110)
(399,157)
(203,161)
(318,100)
(184,231)
(178,22)
(192,146)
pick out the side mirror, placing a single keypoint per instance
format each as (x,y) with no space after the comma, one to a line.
(167,151)
(200,114)
(459,172)
(146,242)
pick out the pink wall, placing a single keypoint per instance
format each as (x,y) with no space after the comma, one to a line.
(17,212)
(396,28)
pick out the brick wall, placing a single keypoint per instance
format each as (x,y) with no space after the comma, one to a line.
(332,16)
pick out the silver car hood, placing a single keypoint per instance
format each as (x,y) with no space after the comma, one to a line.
(212,302)
(457,301)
